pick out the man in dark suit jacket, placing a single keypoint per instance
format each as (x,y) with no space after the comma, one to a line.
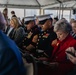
(10,58)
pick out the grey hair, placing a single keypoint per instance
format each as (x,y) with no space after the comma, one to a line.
(62,25)
(2,22)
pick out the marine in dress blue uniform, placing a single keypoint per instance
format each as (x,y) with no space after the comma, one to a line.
(27,43)
(46,36)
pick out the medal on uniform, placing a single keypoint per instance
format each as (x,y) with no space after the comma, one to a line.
(45,35)
(29,35)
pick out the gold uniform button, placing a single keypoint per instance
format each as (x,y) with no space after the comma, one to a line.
(23,41)
(39,36)
(24,46)
(38,39)
(37,43)
(44,32)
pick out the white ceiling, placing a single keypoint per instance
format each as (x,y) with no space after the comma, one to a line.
(45,4)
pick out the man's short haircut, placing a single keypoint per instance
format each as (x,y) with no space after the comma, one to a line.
(12,12)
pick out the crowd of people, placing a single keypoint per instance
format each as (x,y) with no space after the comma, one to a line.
(47,39)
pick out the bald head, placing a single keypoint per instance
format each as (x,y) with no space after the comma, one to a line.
(2,22)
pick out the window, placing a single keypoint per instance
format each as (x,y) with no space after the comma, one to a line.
(32,12)
(19,12)
(53,13)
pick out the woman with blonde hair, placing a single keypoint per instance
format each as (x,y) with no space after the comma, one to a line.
(17,31)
